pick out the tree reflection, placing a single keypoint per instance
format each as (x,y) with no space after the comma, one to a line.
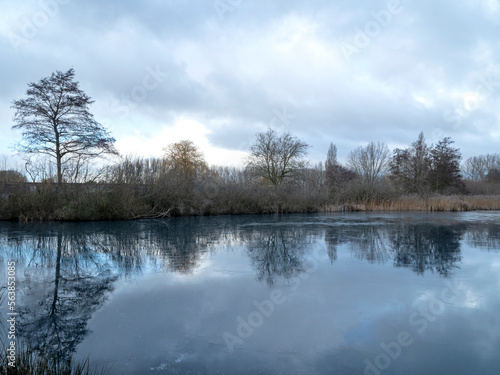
(69,272)
(427,247)
(55,309)
(334,236)
(485,236)
(277,253)
(420,247)
(184,244)
(371,243)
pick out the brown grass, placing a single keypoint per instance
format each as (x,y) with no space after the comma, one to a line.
(452,203)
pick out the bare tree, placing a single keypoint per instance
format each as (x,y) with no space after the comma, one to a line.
(55,121)
(135,170)
(39,168)
(277,158)
(477,168)
(185,157)
(369,162)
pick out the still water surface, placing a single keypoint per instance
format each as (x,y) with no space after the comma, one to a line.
(357,293)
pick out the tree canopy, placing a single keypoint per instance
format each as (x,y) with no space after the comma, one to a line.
(369,162)
(277,158)
(445,172)
(410,167)
(185,157)
(55,121)
(421,169)
(11,175)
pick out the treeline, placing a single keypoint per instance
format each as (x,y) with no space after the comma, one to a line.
(276,178)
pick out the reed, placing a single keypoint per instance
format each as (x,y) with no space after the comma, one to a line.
(452,203)
(30,363)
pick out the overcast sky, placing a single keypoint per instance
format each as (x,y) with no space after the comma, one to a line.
(217,72)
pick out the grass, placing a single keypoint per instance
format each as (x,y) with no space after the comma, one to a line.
(32,363)
(29,362)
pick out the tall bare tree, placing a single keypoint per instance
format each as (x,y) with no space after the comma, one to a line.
(277,158)
(55,121)
(369,162)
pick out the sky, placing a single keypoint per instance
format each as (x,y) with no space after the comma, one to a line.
(218,72)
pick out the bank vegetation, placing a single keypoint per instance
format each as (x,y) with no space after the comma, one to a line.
(277,178)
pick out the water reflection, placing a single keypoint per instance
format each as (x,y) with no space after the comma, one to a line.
(426,247)
(420,247)
(334,237)
(64,282)
(68,271)
(485,237)
(277,253)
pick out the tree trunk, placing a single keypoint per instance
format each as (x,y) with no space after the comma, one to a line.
(58,158)
(58,274)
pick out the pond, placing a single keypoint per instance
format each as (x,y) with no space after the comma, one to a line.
(353,293)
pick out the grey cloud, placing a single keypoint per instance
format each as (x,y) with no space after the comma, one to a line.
(233,73)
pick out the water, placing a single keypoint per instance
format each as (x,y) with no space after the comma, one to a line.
(355,293)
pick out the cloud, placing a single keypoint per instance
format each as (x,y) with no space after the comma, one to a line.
(232,72)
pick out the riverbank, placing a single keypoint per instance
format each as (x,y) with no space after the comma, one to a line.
(88,202)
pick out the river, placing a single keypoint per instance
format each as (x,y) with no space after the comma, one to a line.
(341,293)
